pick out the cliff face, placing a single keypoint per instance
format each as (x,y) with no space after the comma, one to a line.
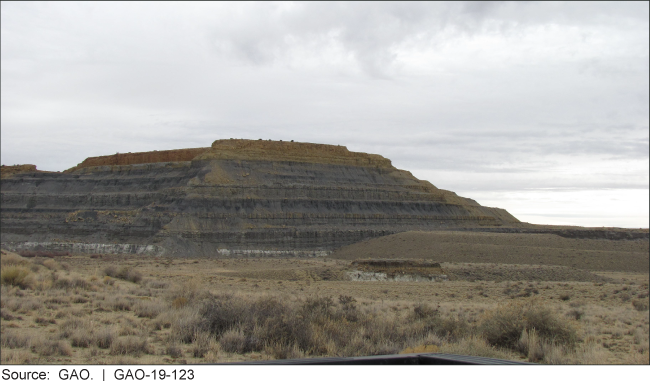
(239,196)
(262,150)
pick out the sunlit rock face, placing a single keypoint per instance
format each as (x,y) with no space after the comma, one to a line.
(255,198)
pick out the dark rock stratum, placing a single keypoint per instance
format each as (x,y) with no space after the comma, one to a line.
(237,197)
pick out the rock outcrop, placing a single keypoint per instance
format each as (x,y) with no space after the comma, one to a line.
(237,196)
(396,270)
(7,171)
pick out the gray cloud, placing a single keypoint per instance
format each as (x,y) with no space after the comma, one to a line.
(531,94)
(370,34)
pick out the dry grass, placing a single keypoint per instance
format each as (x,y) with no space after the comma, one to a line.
(640,304)
(16,276)
(47,348)
(148,308)
(475,346)
(12,259)
(504,326)
(125,273)
(103,338)
(130,345)
(12,340)
(201,311)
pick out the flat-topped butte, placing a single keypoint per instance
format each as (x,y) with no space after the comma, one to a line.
(238,195)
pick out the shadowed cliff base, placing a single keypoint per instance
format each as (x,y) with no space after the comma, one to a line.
(238,198)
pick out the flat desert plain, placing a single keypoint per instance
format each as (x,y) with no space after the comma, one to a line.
(527,297)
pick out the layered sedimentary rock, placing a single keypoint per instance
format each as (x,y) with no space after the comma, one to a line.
(237,197)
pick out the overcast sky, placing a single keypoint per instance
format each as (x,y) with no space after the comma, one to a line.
(538,108)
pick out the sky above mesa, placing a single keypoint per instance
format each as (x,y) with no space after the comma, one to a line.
(538,108)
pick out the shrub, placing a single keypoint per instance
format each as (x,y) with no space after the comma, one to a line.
(23,305)
(124,273)
(286,330)
(16,276)
(184,324)
(640,304)
(119,303)
(317,307)
(12,259)
(530,345)
(72,283)
(111,271)
(51,264)
(147,308)
(58,300)
(173,350)
(451,328)
(11,339)
(52,348)
(576,314)
(130,275)
(347,302)
(81,339)
(4,315)
(233,341)
(504,326)
(640,336)
(74,326)
(19,357)
(424,311)
(202,344)
(130,345)
(104,337)
(220,315)
(286,352)
(432,322)
(179,302)
(79,299)
(314,326)
(44,321)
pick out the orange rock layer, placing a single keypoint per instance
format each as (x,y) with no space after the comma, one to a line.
(141,158)
(242,149)
(10,170)
(267,150)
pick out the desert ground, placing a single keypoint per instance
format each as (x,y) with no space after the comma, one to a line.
(526,297)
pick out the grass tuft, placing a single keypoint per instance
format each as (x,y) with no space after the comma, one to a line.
(130,345)
(640,304)
(18,276)
(124,273)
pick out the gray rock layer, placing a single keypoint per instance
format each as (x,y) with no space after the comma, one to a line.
(203,206)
